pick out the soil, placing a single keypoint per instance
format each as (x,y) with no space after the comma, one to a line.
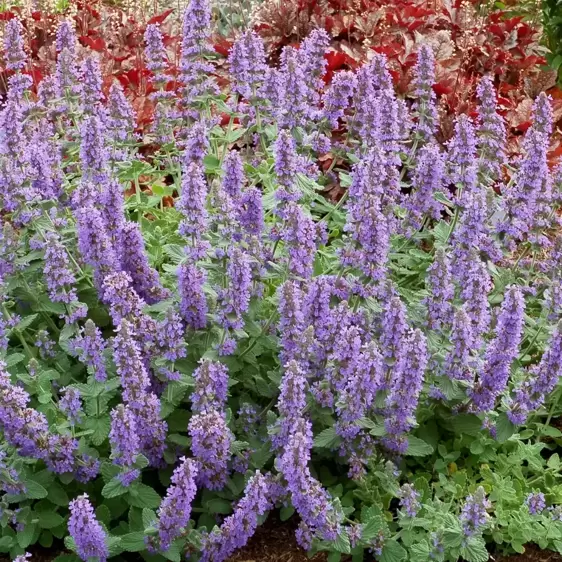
(275,542)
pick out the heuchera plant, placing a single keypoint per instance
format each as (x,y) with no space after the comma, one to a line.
(384,367)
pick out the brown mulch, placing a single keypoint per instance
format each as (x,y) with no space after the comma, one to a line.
(532,554)
(275,542)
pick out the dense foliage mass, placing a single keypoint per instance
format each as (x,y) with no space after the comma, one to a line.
(195,338)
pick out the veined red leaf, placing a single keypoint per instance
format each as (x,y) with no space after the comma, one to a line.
(222,47)
(159,18)
(95,43)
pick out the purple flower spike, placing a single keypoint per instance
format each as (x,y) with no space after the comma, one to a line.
(536,503)
(501,352)
(84,528)
(409,500)
(193,302)
(441,289)
(425,107)
(14,53)
(491,131)
(175,511)
(124,439)
(474,516)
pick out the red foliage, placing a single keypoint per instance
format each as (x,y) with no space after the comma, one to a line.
(467,45)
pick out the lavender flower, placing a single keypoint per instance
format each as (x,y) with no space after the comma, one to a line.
(192,204)
(121,118)
(458,360)
(233,178)
(156,57)
(89,347)
(427,181)
(210,444)
(286,162)
(474,516)
(211,386)
(91,84)
(247,64)
(542,114)
(541,380)
(193,302)
(313,64)
(536,503)
(338,96)
(70,404)
(440,286)
(84,528)
(291,320)
(250,211)
(67,75)
(94,244)
(237,528)
(491,131)
(234,301)
(476,284)
(461,157)
(393,332)
(134,260)
(501,352)
(291,402)
(14,53)
(170,336)
(58,273)
(195,73)
(129,364)
(65,37)
(123,437)
(175,511)
(292,110)
(93,150)
(299,234)
(309,499)
(425,107)
(407,381)
(409,500)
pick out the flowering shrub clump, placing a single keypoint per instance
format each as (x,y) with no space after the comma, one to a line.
(177,361)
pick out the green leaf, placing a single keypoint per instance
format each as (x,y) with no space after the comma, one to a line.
(475,550)
(342,544)
(141,495)
(504,428)
(57,494)
(148,517)
(14,359)
(419,552)
(100,426)
(286,512)
(218,505)
(114,488)
(392,552)
(550,431)
(133,542)
(103,513)
(25,322)
(174,552)
(49,519)
(417,447)
(34,490)
(327,439)
(25,537)
(372,528)
(466,423)
(6,543)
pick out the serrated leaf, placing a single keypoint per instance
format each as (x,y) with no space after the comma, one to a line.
(148,517)
(218,505)
(141,495)
(342,544)
(49,519)
(114,488)
(475,550)
(418,447)
(504,428)
(393,552)
(6,543)
(100,427)
(57,494)
(133,542)
(25,322)
(328,439)
(286,512)
(25,537)
(34,490)
(14,359)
